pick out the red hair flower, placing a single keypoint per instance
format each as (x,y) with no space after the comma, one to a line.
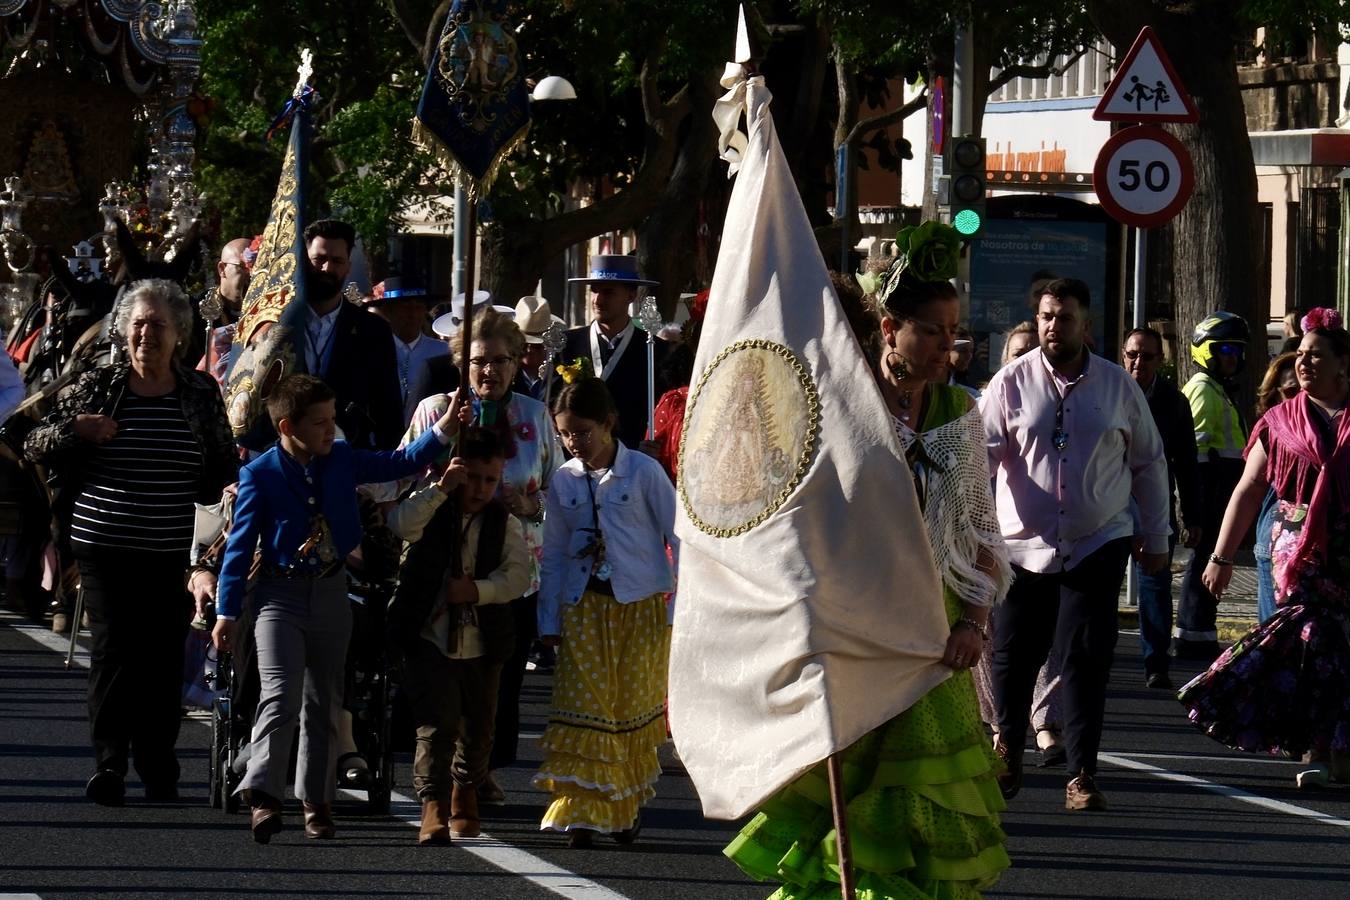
(1321,317)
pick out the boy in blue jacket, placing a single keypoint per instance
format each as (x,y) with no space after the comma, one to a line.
(297,506)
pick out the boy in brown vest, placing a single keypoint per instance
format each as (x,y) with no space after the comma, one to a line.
(455,634)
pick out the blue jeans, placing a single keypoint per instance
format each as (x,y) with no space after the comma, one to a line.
(1155,615)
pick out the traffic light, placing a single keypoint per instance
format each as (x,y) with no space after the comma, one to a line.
(967,186)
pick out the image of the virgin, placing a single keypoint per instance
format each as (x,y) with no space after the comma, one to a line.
(735,441)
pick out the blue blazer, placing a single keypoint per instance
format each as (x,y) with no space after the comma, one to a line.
(278,499)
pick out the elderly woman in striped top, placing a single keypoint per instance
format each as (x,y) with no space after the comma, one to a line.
(134,444)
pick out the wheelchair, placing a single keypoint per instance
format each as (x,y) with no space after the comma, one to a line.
(369,696)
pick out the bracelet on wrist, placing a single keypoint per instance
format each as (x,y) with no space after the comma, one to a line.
(1220,560)
(980,628)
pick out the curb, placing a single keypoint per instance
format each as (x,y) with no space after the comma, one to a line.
(1230,629)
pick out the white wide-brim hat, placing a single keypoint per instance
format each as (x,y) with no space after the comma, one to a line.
(448,324)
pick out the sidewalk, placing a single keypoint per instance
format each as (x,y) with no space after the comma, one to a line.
(1237,611)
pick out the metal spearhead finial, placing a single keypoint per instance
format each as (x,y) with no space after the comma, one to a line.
(649,316)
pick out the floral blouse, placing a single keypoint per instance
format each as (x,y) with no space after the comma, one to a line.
(530,459)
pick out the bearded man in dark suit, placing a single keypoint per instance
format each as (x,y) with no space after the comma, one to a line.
(352,351)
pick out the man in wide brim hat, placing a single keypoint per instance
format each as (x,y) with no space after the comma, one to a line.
(612,287)
(402,302)
(534,316)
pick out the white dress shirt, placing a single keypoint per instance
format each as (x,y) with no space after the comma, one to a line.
(1057,507)
(319,336)
(619,343)
(412,363)
(636,504)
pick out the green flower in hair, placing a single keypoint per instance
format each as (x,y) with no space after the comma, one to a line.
(928,252)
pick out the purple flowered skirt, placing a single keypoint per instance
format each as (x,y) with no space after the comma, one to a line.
(1285,686)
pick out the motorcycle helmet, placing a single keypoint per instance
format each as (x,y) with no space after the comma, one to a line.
(1218,334)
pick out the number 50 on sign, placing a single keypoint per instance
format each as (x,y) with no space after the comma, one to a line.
(1143,176)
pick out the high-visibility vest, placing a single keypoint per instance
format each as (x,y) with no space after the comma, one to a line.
(1218,426)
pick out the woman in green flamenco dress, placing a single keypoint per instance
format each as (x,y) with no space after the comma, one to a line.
(922,800)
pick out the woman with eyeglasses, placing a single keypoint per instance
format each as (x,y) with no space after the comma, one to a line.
(1282,688)
(1279,384)
(522,425)
(136,443)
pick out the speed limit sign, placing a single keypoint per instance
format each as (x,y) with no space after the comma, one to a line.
(1143,176)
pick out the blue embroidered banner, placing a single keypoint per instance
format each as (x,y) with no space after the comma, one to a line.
(474,108)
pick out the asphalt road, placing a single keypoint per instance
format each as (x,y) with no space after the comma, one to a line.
(1187,819)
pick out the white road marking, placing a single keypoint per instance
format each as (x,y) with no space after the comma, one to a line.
(1196,757)
(1224,790)
(554,879)
(504,856)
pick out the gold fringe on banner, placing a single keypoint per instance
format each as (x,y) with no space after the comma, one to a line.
(476,189)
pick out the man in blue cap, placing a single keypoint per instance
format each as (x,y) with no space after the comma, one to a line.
(402,302)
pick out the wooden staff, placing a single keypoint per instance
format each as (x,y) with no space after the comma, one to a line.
(838,808)
(467,219)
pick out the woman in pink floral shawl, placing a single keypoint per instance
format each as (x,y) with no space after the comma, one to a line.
(1284,688)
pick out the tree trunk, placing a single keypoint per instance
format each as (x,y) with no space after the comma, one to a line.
(667,240)
(1214,242)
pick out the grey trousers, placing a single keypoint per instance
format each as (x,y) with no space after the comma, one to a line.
(301,632)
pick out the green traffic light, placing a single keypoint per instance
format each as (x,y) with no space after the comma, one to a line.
(967,222)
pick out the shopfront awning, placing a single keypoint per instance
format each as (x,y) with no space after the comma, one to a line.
(1303,147)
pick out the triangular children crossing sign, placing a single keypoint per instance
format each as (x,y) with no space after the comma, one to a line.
(1146,87)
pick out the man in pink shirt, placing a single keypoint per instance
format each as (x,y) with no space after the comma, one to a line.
(1071,443)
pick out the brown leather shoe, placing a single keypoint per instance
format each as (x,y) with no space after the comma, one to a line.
(435,830)
(319,821)
(1081,793)
(1010,779)
(490,792)
(464,820)
(265,819)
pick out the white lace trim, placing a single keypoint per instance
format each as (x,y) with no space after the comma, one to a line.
(959,507)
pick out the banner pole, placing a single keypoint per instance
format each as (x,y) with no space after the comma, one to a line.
(838,809)
(466,220)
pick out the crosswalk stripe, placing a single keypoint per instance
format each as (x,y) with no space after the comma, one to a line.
(1224,790)
(546,875)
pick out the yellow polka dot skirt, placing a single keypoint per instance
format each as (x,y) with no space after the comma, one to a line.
(608,716)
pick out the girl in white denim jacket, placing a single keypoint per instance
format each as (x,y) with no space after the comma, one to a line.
(609,543)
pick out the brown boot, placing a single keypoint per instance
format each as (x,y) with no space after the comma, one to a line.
(464,811)
(435,830)
(265,819)
(319,823)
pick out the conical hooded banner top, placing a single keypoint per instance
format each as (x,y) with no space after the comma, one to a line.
(272,325)
(809,611)
(474,108)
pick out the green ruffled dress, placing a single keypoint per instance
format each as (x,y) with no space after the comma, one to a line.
(923,802)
